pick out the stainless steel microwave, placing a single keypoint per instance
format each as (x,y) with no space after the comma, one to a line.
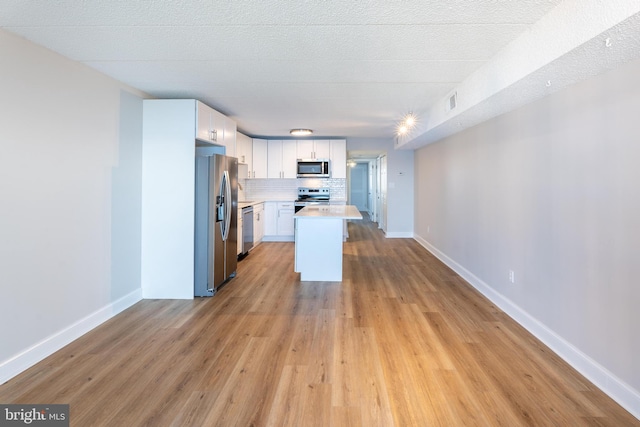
(313,168)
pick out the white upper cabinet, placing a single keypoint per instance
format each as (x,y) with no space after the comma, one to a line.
(338,158)
(244,152)
(281,159)
(278,158)
(289,159)
(305,148)
(215,128)
(244,149)
(322,149)
(274,158)
(313,149)
(259,161)
(230,131)
(205,129)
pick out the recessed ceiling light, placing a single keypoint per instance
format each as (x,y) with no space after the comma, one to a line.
(410,120)
(301,132)
(408,123)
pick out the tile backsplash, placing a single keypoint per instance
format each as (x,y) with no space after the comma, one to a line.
(287,189)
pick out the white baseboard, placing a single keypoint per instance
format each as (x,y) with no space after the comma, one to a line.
(278,239)
(29,357)
(399,235)
(614,387)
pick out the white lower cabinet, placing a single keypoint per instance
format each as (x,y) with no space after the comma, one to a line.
(258,223)
(285,219)
(239,232)
(278,222)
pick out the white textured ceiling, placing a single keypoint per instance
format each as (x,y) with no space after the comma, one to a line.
(341,68)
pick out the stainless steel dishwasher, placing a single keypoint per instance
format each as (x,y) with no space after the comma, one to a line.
(247,230)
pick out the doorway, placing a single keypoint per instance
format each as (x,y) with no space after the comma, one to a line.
(359,175)
(365,183)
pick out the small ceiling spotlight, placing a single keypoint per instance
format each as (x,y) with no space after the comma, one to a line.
(408,122)
(301,132)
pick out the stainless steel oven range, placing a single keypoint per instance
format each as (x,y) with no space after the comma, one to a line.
(308,196)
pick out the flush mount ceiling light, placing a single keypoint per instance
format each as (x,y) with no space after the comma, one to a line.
(301,132)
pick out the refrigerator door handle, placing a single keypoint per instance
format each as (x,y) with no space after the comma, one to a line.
(226,190)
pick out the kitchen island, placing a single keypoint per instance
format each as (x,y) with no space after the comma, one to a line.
(318,241)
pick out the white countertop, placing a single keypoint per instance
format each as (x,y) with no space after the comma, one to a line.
(331,211)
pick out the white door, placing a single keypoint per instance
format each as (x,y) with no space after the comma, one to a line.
(359,186)
(383,194)
(373,191)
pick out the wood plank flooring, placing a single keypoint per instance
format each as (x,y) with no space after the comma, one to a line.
(401,341)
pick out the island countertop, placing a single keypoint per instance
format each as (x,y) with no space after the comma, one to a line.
(330,211)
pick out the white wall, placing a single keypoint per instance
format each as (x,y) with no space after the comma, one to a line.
(70,167)
(399,183)
(551,192)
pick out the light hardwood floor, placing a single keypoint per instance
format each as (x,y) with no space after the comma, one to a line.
(401,341)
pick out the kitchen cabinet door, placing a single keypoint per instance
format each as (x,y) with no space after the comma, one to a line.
(281,159)
(278,222)
(239,246)
(289,159)
(203,122)
(270,218)
(313,149)
(244,151)
(285,219)
(339,158)
(258,223)
(215,128)
(274,159)
(322,149)
(305,149)
(259,159)
(230,129)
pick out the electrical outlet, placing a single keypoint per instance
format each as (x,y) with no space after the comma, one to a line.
(512,276)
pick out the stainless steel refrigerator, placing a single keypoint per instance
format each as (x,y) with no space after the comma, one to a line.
(216,221)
